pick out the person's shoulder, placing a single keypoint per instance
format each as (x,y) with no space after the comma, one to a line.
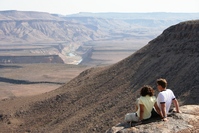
(153,97)
(161,94)
(169,90)
(141,97)
(144,97)
(149,98)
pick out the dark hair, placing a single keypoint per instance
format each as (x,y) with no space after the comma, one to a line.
(162,82)
(147,90)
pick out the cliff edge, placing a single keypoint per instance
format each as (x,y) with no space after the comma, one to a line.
(185,122)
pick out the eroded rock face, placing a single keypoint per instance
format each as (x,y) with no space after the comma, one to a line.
(187,121)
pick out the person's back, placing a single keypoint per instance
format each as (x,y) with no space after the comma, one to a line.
(148,102)
(165,98)
(144,105)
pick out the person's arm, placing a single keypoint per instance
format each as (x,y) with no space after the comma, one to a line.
(176,104)
(158,109)
(141,111)
(163,109)
(136,107)
(137,104)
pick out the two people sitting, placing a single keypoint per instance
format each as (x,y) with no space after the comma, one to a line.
(147,103)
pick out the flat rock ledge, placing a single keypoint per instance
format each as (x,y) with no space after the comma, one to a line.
(185,122)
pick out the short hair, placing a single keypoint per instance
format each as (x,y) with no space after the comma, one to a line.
(162,82)
(147,90)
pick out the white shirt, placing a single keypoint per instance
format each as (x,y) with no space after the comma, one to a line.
(166,97)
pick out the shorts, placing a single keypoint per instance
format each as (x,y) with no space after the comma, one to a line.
(131,117)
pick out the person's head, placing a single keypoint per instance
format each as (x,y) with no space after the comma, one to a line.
(147,90)
(161,83)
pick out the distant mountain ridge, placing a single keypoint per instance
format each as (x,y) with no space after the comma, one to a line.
(35,27)
(26,15)
(38,27)
(149,15)
(41,27)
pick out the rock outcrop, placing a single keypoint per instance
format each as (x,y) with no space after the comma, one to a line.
(185,122)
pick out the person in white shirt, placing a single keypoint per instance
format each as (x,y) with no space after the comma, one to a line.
(165,99)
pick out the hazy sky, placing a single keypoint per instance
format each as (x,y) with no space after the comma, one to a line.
(75,6)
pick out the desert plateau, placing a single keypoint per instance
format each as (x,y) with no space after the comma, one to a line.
(82,73)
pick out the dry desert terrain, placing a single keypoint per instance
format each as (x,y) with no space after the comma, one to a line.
(32,79)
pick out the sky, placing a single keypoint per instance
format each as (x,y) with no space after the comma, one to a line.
(66,7)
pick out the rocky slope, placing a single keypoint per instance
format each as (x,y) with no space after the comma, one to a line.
(99,97)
